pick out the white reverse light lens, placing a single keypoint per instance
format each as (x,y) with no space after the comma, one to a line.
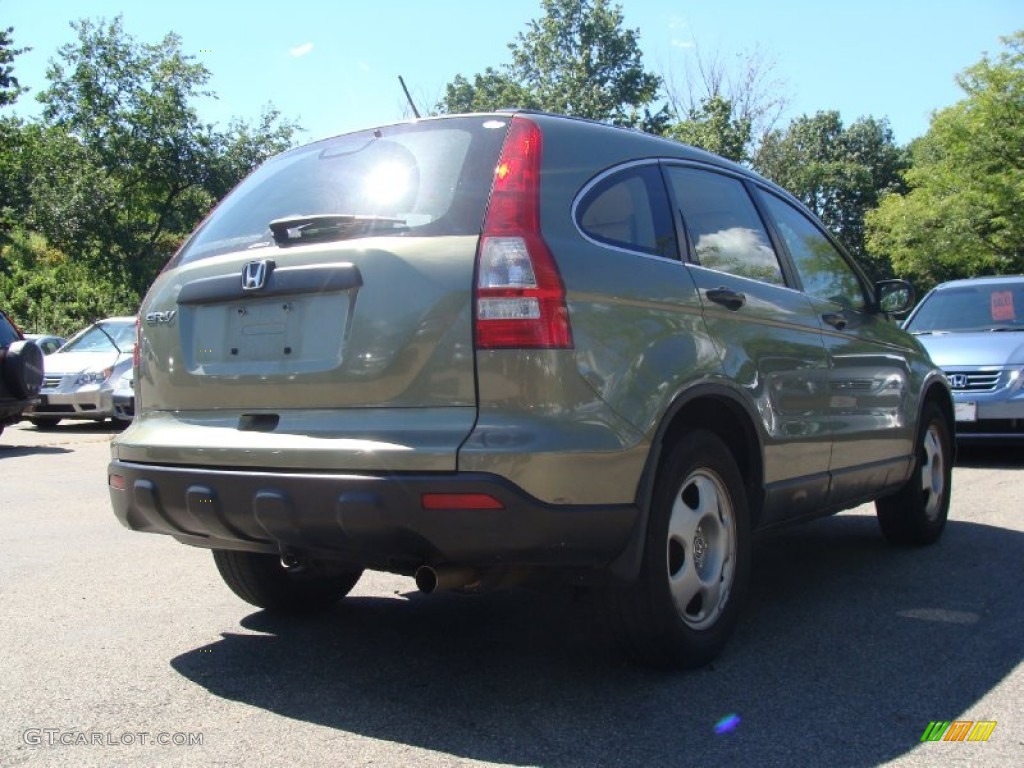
(508,309)
(505,263)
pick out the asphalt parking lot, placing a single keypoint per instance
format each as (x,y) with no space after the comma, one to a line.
(126,649)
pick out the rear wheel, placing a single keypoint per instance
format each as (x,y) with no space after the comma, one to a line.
(45,424)
(684,605)
(916,515)
(264,581)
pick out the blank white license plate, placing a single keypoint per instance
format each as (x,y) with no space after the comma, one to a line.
(966,411)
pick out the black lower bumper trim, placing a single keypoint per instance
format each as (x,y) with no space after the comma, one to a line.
(374,520)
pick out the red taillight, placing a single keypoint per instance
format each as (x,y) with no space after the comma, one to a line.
(520,298)
(459,501)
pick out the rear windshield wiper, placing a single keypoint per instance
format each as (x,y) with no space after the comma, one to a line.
(1010,328)
(331,226)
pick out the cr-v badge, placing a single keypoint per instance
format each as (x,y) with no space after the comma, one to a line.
(161,318)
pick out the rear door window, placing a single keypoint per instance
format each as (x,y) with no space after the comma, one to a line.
(723,225)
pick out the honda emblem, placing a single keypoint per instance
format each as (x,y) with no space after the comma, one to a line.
(958,380)
(255,274)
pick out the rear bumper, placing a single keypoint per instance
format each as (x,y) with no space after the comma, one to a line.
(373,520)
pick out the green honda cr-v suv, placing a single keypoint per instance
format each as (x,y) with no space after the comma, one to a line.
(482,349)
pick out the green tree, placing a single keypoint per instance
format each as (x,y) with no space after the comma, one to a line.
(964,212)
(839,172)
(120,114)
(576,59)
(10,88)
(488,91)
(48,292)
(13,198)
(714,126)
(716,102)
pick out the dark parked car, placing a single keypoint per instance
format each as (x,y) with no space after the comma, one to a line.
(974,331)
(21,372)
(494,348)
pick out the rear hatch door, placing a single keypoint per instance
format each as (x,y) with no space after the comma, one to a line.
(322,316)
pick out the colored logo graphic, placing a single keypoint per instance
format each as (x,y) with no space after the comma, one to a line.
(958,730)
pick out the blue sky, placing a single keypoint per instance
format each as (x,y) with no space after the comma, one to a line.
(334,66)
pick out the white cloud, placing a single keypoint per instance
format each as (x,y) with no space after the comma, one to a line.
(677,43)
(301,50)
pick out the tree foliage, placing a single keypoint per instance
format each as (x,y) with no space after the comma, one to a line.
(716,127)
(576,59)
(717,103)
(964,212)
(839,172)
(10,88)
(100,190)
(48,292)
(12,194)
(121,125)
(488,91)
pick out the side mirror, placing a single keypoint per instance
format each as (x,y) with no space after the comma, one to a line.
(895,297)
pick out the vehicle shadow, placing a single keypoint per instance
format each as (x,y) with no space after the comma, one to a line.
(77,428)
(847,649)
(29,450)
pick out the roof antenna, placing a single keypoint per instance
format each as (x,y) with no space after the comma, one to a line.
(407,96)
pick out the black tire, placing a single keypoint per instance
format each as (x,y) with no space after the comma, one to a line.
(45,425)
(262,580)
(118,423)
(916,514)
(698,541)
(22,366)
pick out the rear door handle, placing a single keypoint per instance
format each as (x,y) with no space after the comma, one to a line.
(834,319)
(725,297)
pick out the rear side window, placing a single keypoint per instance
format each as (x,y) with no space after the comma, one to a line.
(431,178)
(723,224)
(630,210)
(824,272)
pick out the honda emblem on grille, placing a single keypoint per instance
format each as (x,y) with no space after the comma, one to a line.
(255,274)
(957,380)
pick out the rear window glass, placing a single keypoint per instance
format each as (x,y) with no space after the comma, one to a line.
(433,176)
(971,308)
